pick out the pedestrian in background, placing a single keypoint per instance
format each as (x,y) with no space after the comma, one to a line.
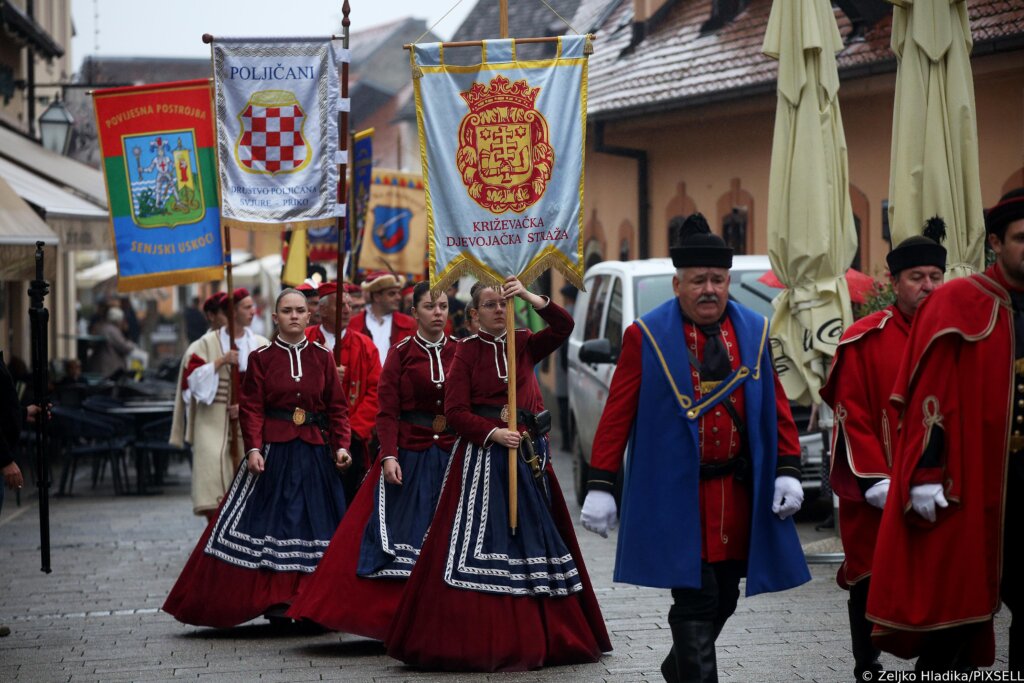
(568,293)
(859,385)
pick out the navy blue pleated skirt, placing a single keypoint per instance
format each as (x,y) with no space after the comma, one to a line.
(284,518)
(401,516)
(483,553)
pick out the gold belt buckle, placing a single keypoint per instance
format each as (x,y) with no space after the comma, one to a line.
(1016,443)
(440,424)
(708,387)
(299,417)
(504,413)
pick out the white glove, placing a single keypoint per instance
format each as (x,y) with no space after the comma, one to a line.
(599,513)
(924,498)
(789,496)
(877,494)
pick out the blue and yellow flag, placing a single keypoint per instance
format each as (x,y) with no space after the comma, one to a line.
(502,150)
(160,167)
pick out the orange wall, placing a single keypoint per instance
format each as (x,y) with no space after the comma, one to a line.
(708,147)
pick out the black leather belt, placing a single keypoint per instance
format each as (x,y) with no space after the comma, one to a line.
(715,470)
(421,418)
(537,424)
(298,417)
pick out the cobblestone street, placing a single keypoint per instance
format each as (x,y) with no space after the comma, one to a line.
(97,617)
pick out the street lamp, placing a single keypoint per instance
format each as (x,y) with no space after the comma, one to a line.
(55,127)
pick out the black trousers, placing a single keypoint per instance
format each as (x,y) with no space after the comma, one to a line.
(362,459)
(715,600)
(1012,589)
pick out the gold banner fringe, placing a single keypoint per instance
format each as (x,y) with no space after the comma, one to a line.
(559,262)
(277,227)
(167,279)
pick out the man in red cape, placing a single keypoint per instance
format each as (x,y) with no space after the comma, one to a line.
(359,370)
(858,389)
(949,544)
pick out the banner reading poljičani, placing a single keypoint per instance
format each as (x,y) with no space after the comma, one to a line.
(502,147)
(159,164)
(277,104)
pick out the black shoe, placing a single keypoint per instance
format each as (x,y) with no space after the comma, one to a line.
(668,667)
(693,643)
(4,631)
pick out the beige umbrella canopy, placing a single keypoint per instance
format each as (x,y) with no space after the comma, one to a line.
(811,234)
(934,166)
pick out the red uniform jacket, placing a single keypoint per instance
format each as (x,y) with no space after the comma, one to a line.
(283,379)
(362,373)
(955,388)
(858,389)
(479,373)
(724,502)
(413,379)
(402,326)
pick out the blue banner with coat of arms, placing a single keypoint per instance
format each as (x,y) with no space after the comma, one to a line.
(502,146)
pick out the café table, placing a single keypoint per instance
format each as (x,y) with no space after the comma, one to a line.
(138,413)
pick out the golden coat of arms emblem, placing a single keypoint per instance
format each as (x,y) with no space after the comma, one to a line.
(505,155)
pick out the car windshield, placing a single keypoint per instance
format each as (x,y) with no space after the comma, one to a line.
(745,288)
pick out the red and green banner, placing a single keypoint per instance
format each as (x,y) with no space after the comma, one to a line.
(159,163)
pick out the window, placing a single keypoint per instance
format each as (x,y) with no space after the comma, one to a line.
(613,324)
(595,307)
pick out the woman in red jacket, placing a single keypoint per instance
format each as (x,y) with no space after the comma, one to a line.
(286,500)
(360,581)
(481,597)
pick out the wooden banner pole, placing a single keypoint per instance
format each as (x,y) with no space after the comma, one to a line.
(510,347)
(342,222)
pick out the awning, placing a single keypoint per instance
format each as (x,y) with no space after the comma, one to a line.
(20,229)
(79,223)
(27,153)
(97,274)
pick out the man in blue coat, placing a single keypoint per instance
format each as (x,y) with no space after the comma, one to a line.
(713,475)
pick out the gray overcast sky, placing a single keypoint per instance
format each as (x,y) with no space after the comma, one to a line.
(175,28)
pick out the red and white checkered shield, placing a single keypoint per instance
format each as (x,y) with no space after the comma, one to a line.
(271,139)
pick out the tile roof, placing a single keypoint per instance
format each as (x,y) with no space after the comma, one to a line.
(526,18)
(675,66)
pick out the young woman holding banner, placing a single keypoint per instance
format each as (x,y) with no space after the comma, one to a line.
(358,584)
(286,500)
(483,598)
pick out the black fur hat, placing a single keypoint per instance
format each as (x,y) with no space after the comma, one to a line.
(920,250)
(691,243)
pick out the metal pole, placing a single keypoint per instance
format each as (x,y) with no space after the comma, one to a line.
(39,318)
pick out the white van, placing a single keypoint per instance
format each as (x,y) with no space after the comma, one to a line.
(619,292)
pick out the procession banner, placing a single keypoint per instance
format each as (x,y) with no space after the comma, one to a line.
(159,164)
(396,224)
(362,179)
(277,104)
(502,147)
(323,242)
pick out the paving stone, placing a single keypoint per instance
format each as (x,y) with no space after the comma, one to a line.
(97,618)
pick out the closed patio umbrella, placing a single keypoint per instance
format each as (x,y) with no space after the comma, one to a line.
(811,234)
(934,165)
